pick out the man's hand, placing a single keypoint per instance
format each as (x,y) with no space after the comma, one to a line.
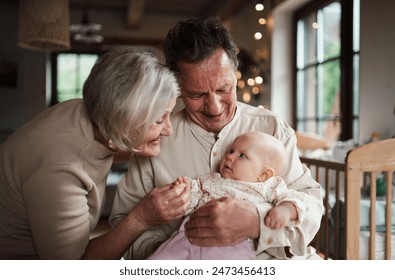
(223,222)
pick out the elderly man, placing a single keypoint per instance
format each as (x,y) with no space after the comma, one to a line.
(204,56)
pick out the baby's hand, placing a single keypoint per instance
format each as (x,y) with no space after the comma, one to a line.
(277,217)
(182,180)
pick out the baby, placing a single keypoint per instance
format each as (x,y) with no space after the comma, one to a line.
(247,171)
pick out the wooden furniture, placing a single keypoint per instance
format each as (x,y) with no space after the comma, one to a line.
(331,175)
(370,159)
(340,235)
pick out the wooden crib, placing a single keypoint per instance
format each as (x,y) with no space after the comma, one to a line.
(349,189)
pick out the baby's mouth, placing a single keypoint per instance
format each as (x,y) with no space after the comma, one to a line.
(226,166)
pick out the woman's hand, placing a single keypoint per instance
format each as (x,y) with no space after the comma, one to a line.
(223,221)
(164,204)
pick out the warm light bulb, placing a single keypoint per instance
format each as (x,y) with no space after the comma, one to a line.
(250,82)
(315,25)
(259,7)
(258,80)
(246,97)
(255,90)
(258,36)
(240,84)
(262,21)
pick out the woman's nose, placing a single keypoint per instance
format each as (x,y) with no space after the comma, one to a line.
(167,128)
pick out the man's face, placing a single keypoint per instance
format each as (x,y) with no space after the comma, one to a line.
(209,91)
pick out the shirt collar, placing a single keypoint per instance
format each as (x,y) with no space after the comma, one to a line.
(227,127)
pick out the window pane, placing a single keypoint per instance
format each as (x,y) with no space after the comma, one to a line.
(86,63)
(329,99)
(356,26)
(73,69)
(306,50)
(67,68)
(318,80)
(300,41)
(306,94)
(330,88)
(356,97)
(356,85)
(329,30)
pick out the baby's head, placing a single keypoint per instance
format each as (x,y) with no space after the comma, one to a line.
(253,157)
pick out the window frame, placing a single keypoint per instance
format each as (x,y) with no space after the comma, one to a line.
(347,54)
(54,69)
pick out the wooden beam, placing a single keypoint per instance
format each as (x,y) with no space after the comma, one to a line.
(135,13)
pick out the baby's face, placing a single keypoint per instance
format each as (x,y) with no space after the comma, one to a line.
(243,160)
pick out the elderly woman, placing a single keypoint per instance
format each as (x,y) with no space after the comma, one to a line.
(53,170)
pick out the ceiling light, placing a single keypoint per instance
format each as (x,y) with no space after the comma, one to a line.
(43,25)
(86,31)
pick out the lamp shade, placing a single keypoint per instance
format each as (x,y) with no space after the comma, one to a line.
(44,25)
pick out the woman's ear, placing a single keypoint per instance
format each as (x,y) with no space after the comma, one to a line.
(266,174)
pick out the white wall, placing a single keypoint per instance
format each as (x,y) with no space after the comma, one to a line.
(377,76)
(377,65)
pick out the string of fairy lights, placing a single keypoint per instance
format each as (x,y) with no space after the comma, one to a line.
(251,76)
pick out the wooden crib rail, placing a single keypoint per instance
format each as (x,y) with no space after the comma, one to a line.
(331,175)
(373,158)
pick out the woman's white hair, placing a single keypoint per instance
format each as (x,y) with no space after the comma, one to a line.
(126,91)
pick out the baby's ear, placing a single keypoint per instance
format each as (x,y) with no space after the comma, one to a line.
(266,174)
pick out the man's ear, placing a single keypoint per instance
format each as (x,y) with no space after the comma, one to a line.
(266,174)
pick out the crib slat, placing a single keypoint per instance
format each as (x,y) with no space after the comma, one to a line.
(388,218)
(352,219)
(324,238)
(337,216)
(372,239)
(373,157)
(327,210)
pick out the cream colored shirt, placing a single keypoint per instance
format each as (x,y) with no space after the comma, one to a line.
(191,151)
(52,185)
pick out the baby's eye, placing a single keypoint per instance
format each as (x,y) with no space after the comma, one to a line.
(243,155)
(159,121)
(230,151)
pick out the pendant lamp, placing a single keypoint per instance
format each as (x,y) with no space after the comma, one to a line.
(86,31)
(44,25)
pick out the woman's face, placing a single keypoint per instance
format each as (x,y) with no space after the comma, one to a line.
(161,127)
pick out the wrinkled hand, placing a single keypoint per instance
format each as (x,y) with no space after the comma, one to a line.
(222,222)
(164,204)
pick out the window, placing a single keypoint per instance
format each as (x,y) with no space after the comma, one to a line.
(71,71)
(327,68)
